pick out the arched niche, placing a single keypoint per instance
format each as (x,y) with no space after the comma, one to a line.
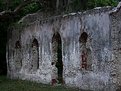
(17,45)
(35,43)
(85,56)
(18,56)
(83,37)
(57,55)
(35,55)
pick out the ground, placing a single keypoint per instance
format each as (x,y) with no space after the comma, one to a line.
(19,85)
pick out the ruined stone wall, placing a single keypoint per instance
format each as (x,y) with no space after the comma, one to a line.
(115,25)
(98,44)
(87,50)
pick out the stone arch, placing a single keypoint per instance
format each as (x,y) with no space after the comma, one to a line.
(18,56)
(57,55)
(35,55)
(85,52)
(17,45)
(35,43)
(83,37)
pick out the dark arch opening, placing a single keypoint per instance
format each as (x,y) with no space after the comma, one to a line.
(35,51)
(83,37)
(83,50)
(35,43)
(18,55)
(18,44)
(57,51)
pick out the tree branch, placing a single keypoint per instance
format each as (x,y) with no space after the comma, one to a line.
(8,14)
(23,4)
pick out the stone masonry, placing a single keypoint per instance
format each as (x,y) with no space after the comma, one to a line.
(85,46)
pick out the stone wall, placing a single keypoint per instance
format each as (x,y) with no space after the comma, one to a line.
(115,17)
(89,54)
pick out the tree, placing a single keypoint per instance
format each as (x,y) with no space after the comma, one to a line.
(13,10)
(79,5)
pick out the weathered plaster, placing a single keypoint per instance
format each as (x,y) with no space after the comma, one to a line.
(102,26)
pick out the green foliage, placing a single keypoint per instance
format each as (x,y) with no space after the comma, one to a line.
(14,3)
(78,5)
(33,7)
(99,3)
(2,5)
(9,4)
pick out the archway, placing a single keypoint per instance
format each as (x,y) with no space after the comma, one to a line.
(18,56)
(35,55)
(83,50)
(57,55)
(83,37)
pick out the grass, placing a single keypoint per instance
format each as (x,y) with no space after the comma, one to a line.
(19,85)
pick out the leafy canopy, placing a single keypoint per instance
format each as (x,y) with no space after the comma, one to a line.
(78,5)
